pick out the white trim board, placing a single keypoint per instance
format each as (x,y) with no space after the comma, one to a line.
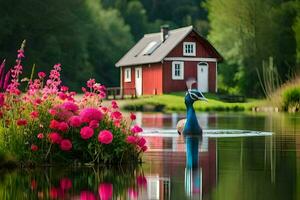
(190,59)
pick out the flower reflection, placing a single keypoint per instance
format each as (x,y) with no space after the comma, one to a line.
(105,191)
(87,195)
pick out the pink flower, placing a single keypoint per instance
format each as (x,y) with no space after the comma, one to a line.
(116,115)
(141,142)
(144,148)
(105,191)
(63,126)
(94,124)
(37,101)
(89,114)
(21,122)
(65,145)
(54,124)
(34,147)
(114,105)
(34,114)
(141,181)
(55,138)
(65,184)
(117,123)
(70,106)
(86,132)
(62,95)
(87,195)
(64,88)
(33,184)
(132,193)
(104,109)
(41,75)
(105,137)
(75,121)
(131,139)
(2,99)
(40,136)
(132,116)
(53,193)
(83,89)
(90,83)
(52,111)
(136,129)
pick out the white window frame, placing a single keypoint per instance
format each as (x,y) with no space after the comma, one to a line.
(193,45)
(181,75)
(127,74)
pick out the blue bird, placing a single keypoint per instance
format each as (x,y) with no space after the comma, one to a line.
(190,125)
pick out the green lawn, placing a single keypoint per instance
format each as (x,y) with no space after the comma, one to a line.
(175,102)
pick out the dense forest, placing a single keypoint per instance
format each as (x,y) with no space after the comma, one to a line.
(89,36)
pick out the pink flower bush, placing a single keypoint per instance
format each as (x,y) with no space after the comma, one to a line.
(60,127)
(105,137)
(86,132)
(89,114)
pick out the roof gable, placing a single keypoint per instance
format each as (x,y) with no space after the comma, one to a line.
(151,49)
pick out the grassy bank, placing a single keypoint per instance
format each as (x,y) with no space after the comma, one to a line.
(175,102)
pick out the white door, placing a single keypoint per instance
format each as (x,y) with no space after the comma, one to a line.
(202,77)
(138,81)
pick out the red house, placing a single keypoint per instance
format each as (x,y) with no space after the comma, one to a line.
(161,62)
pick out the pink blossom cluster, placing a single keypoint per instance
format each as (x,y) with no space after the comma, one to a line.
(67,119)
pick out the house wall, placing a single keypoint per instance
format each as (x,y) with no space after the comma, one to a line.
(190,71)
(152,79)
(202,49)
(190,67)
(128,86)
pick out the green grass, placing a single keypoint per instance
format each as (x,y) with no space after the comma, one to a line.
(175,102)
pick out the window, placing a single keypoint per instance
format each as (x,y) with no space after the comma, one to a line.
(127,75)
(189,49)
(177,70)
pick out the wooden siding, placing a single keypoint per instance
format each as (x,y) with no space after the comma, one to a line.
(127,85)
(202,48)
(190,71)
(152,79)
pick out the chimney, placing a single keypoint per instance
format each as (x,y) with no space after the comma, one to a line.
(164,32)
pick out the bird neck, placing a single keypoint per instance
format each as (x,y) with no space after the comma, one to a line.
(190,114)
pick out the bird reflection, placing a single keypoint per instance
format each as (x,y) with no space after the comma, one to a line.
(193,173)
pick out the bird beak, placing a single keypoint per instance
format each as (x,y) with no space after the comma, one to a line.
(202,97)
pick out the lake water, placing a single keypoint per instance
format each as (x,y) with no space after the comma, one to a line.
(264,164)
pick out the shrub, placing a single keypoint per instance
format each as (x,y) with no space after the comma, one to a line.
(46,124)
(291,99)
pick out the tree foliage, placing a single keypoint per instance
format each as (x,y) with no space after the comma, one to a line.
(249,32)
(80,34)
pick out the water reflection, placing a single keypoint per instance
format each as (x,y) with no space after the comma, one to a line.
(193,173)
(265,167)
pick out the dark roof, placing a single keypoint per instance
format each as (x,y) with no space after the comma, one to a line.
(151,49)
